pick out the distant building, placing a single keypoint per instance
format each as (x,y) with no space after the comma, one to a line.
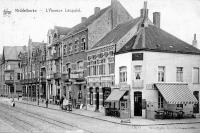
(54,62)
(11,70)
(1,77)
(33,67)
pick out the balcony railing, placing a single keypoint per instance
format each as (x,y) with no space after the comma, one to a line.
(9,81)
(9,70)
(137,84)
(57,75)
(65,76)
(56,55)
(43,79)
(77,75)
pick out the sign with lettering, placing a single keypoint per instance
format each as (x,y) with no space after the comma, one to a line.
(137,56)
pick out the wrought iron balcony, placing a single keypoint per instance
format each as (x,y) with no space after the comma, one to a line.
(9,70)
(78,75)
(43,79)
(9,81)
(65,76)
(56,55)
(57,75)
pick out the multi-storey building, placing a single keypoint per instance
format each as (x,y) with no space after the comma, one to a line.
(34,71)
(155,71)
(81,38)
(101,63)
(54,62)
(11,70)
(1,77)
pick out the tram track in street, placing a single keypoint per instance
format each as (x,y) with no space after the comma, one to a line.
(46,119)
(21,124)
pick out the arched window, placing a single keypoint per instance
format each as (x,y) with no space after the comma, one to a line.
(76,43)
(83,44)
(80,65)
(67,67)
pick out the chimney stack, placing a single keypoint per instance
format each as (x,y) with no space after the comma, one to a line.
(194,42)
(144,11)
(156,19)
(83,19)
(96,10)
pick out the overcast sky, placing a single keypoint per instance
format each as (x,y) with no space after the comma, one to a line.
(178,17)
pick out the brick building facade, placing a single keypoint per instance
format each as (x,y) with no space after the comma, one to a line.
(82,38)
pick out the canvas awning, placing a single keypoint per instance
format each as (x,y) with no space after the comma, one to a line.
(176,93)
(115,95)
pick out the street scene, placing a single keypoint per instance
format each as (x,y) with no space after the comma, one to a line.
(28,117)
(95,67)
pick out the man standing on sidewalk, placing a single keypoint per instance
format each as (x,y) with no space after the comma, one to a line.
(47,103)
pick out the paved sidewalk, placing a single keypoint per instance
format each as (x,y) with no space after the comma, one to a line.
(136,121)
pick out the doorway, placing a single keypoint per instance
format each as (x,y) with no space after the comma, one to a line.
(196,105)
(137,103)
(97,99)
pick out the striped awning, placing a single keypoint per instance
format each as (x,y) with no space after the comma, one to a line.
(115,95)
(176,93)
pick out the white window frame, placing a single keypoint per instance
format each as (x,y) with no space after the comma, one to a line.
(160,72)
(138,71)
(123,74)
(179,74)
(198,76)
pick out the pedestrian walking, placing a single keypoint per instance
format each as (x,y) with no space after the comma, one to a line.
(13,102)
(47,103)
(65,104)
(61,102)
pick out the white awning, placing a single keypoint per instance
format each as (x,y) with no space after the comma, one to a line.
(115,95)
(176,93)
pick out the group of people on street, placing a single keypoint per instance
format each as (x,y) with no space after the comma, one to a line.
(64,104)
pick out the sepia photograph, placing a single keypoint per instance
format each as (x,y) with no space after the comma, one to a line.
(99,66)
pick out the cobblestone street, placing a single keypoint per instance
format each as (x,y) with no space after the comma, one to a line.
(29,118)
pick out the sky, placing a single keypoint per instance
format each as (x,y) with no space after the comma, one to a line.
(178,17)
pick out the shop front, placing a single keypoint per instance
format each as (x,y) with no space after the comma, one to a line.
(118,104)
(77,89)
(175,100)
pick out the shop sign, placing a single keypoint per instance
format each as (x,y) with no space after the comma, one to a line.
(137,56)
